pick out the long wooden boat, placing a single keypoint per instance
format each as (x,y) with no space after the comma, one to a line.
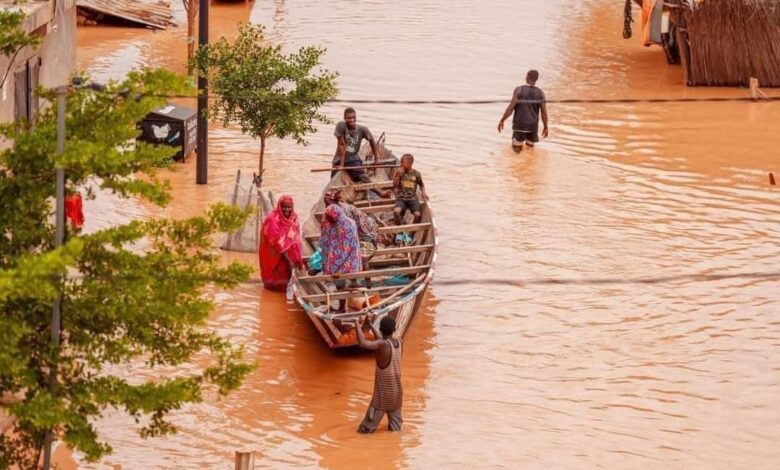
(400,270)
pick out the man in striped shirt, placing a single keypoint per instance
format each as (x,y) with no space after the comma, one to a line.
(388,393)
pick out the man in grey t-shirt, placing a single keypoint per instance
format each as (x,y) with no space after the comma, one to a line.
(349,135)
(527,103)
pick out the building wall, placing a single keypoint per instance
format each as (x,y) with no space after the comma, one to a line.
(57,51)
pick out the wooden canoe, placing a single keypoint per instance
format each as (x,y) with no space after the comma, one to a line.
(399,274)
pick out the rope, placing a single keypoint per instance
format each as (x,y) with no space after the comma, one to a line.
(714,99)
(694,277)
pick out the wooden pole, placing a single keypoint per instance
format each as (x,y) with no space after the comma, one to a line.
(234,201)
(201,166)
(245,460)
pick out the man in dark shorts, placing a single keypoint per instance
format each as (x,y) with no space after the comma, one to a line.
(388,392)
(405,183)
(349,135)
(525,123)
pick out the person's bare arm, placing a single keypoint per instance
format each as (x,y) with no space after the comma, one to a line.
(362,341)
(397,179)
(374,147)
(422,189)
(509,109)
(341,149)
(545,131)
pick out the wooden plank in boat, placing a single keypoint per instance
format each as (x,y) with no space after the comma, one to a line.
(402,250)
(374,202)
(385,262)
(388,229)
(366,186)
(367,210)
(365,274)
(349,294)
(405,228)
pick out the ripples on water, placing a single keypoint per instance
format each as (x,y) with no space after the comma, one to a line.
(573,374)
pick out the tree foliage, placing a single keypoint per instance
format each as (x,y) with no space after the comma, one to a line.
(13,38)
(132,295)
(267,92)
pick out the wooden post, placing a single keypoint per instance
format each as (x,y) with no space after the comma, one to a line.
(245,460)
(772,179)
(755,91)
(233,201)
(754,88)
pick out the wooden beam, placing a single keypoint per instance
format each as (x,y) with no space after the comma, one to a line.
(402,250)
(367,210)
(356,167)
(376,263)
(388,229)
(373,202)
(366,186)
(365,274)
(377,209)
(349,294)
(405,228)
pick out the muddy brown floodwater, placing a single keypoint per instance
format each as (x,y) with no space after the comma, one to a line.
(642,331)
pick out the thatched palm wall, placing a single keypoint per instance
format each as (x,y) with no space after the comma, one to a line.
(732,40)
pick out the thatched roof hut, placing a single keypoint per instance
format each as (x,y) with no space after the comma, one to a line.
(725,42)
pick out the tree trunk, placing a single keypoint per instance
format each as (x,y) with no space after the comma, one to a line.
(260,168)
(192,15)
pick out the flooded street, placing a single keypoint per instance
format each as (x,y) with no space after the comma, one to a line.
(641,327)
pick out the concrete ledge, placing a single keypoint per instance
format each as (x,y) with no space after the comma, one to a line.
(38,12)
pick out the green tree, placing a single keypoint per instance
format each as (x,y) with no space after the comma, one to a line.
(268,93)
(12,38)
(132,295)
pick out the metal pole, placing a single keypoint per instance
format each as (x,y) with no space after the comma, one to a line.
(59,238)
(201,176)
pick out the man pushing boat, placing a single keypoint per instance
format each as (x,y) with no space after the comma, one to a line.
(388,392)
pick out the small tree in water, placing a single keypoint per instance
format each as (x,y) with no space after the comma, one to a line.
(131,294)
(268,93)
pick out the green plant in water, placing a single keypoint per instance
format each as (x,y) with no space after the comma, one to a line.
(267,92)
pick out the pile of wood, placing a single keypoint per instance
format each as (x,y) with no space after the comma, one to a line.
(150,14)
(732,40)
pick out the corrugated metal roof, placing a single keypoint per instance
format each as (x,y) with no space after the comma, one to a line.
(154,15)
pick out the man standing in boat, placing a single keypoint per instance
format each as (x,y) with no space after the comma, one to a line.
(388,392)
(349,136)
(527,103)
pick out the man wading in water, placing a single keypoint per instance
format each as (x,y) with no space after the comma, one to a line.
(388,393)
(525,123)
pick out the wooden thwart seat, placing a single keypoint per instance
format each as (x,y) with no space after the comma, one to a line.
(401,250)
(388,229)
(366,186)
(350,294)
(374,273)
(375,209)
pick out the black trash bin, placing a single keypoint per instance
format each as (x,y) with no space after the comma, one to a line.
(172,125)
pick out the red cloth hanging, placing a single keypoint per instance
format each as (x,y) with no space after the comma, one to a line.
(74,212)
